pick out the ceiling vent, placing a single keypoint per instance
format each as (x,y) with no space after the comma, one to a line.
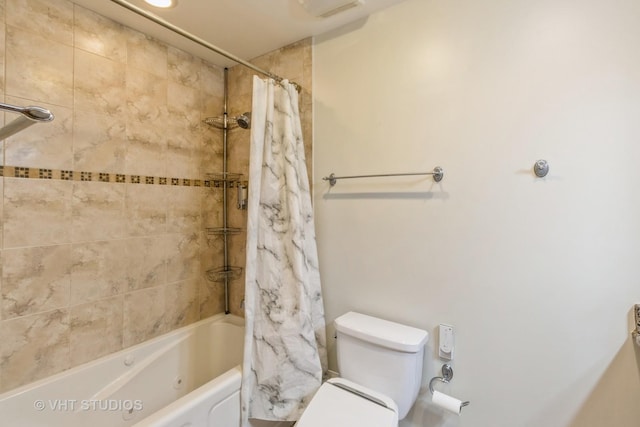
(327,8)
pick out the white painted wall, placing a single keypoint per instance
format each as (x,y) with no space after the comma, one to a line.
(538,276)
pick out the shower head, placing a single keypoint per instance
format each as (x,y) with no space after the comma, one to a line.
(218,122)
(244,120)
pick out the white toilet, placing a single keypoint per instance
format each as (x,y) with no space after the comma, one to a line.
(380,364)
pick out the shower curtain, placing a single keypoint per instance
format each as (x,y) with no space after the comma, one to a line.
(285,343)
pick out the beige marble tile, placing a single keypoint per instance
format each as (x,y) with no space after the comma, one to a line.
(38,68)
(2,54)
(212,81)
(52,19)
(183,103)
(33,347)
(183,256)
(97,211)
(35,280)
(146,209)
(36,212)
(146,95)
(144,315)
(43,145)
(212,254)
(100,35)
(182,303)
(99,270)
(147,123)
(147,262)
(211,294)
(1,223)
(95,329)
(146,150)
(237,257)
(146,53)
(211,153)
(99,143)
(182,161)
(238,152)
(184,68)
(99,85)
(184,211)
(211,298)
(2,10)
(184,130)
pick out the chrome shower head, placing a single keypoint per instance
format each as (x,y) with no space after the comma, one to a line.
(244,120)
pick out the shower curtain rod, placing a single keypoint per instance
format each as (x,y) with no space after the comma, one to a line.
(196,39)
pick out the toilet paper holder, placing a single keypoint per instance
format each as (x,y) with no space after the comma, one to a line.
(447,375)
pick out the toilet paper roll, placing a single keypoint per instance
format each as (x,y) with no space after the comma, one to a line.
(447,402)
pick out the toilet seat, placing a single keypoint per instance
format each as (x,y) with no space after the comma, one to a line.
(342,403)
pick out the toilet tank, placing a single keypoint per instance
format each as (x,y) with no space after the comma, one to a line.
(381,355)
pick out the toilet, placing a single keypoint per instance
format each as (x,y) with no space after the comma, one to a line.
(380,364)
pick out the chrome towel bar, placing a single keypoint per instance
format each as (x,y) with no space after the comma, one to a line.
(438,174)
(30,115)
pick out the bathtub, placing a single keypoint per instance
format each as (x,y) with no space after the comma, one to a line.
(189,377)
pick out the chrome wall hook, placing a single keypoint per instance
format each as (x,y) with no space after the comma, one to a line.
(541,168)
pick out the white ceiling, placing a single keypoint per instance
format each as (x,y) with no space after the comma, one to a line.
(245,28)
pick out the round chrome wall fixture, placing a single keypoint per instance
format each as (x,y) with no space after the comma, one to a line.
(541,168)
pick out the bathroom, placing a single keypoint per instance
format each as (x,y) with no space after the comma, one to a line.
(538,276)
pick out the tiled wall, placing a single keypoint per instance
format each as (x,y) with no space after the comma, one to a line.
(102,244)
(292,62)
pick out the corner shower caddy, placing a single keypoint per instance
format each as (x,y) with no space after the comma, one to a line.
(226,180)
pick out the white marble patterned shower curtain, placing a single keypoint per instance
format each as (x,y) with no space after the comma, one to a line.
(285,343)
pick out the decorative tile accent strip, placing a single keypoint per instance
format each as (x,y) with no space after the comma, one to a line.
(69,175)
(21,172)
(45,174)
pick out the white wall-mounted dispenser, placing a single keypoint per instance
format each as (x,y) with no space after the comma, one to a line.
(445,342)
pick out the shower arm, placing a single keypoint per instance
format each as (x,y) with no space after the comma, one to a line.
(29,116)
(169,26)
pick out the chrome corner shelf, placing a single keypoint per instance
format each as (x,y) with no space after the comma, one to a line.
(221,273)
(223,231)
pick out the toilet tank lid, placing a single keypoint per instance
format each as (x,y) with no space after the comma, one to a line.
(382,332)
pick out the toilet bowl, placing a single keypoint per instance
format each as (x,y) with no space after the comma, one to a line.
(380,365)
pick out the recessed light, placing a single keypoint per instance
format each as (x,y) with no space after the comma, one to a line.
(162,3)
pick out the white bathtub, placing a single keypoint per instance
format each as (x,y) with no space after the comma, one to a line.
(187,378)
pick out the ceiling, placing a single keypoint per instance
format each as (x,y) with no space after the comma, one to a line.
(245,28)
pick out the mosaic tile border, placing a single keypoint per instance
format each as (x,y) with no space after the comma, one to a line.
(115,178)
